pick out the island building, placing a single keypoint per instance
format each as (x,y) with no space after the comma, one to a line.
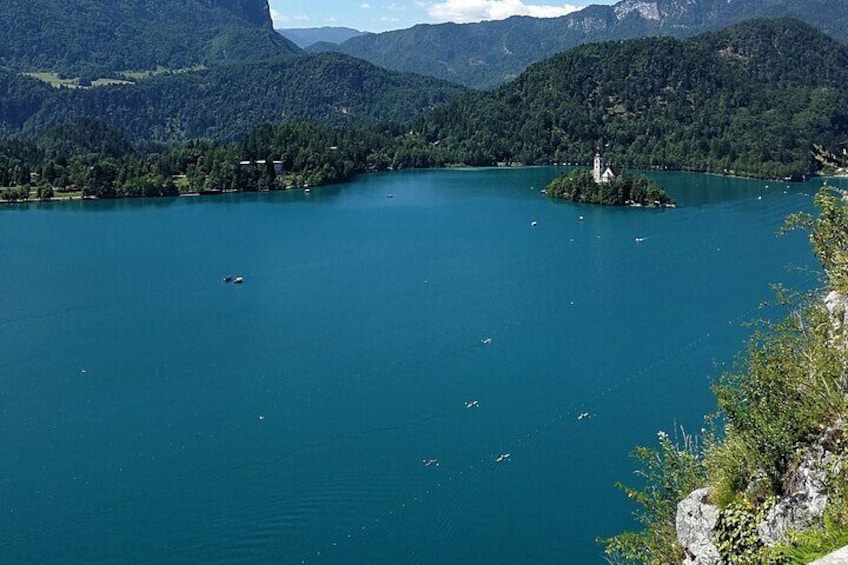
(602,173)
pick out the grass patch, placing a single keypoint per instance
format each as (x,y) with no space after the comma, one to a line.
(73,195)
(53,80)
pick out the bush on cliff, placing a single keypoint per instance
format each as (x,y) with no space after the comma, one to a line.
(791,384)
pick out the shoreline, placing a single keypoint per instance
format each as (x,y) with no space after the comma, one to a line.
(76,198)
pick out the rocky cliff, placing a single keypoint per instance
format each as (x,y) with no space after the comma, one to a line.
(254,11)
(800,508)
(806,486)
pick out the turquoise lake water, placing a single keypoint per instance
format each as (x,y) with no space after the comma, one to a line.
(150,413)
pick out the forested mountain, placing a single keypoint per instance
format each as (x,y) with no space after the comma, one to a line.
(752,99)
(306,37)
(103,37)
(20,98)
(227,101)
(484,55)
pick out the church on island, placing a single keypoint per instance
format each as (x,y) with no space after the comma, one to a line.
(602,173)
(608,186)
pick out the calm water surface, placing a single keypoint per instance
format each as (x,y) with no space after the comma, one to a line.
(150,413)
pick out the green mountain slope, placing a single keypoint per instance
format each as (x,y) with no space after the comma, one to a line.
(227,101)
(102,37)
(20,98)
(752,99)
(484,55)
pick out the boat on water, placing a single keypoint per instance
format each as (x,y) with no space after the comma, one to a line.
(430,462)
(238,280)
(472,404)
(486,341)
(583,416)
(502,457)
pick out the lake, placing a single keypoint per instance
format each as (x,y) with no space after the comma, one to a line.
(151,413)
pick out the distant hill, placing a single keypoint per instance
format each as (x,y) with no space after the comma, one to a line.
(103,37)
(752,100)
(226,101)
(306,37)
(484,55)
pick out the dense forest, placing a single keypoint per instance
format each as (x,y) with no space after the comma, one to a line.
(21,98)
(96,38)
(751,100)
(227,101)
(90,158)
(488,54)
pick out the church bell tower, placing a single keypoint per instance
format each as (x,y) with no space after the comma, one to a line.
(598,170)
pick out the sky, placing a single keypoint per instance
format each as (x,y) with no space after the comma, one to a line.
(384,15)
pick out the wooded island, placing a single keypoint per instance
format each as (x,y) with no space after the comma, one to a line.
(625,190)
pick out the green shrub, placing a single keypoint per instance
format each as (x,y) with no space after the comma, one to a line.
(670,472)
(737,538)
(15,194)
(730,466)
(828,235)
(788,385)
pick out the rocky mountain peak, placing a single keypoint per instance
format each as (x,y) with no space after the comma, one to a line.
(647,10)
(254,11)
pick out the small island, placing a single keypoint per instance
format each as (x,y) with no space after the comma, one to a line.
(608,187)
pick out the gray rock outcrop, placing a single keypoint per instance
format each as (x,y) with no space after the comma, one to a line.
(695,522)
(837,308)
(807,488)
